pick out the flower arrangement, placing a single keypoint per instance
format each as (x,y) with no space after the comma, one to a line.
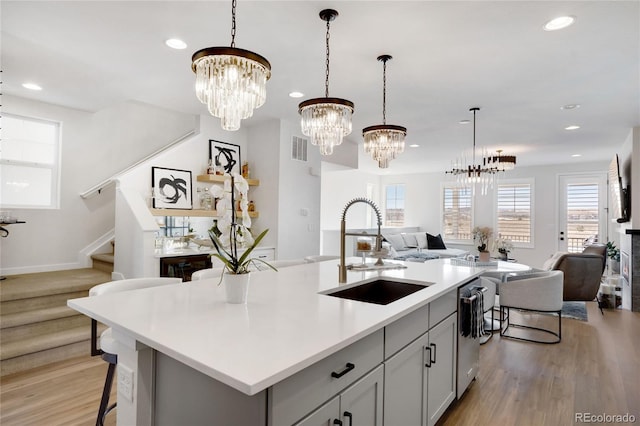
(481,235)
(231,234)
(503,245)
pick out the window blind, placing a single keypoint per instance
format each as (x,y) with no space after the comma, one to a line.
(456,213)
(514,212)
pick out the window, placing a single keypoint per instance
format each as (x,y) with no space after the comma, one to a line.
(582,215)
(394,206)
(456,212)
(29,158)
(514,213)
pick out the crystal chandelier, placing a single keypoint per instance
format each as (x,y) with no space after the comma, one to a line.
(471,173)
(500,162)
(326,120)
(385,141)
(230,81)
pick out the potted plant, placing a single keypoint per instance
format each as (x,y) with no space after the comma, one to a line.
(234,235)
(503,246)
(481,235)
(613,253)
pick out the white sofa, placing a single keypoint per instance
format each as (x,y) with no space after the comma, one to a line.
(413,246)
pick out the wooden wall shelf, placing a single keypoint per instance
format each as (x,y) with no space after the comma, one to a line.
(222,178)
(193,213)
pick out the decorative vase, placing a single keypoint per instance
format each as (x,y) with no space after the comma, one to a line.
(484,256)
(236,287)
(504,255)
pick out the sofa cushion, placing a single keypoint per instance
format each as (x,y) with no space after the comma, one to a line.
(396,241)
(435,242)
(410,240)
(421,238)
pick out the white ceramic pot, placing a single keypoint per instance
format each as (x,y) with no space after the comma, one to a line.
(236,287)
(484,256)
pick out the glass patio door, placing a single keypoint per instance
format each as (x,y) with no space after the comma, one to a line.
(583,214)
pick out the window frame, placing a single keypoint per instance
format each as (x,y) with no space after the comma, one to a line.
(55,167)
(404,199)
(449,185)
(522,181)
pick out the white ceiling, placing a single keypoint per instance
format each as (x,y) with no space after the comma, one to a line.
(447,57)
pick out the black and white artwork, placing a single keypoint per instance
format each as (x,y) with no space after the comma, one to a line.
(225,155)
(171,188)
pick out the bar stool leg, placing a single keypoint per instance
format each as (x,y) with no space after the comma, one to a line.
(104,401)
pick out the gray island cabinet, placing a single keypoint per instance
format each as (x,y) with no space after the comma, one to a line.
(291,356)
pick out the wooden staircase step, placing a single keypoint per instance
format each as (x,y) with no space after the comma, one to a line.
(48,356)
(42,328)
(34,316)
(44,342)
(103,261)
(27,286)
(44,302)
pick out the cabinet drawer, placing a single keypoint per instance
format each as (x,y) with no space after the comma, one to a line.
(298,395)
(442,307)
(400,333)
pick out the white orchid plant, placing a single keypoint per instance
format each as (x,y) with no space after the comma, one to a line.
(503,245)
(234,235)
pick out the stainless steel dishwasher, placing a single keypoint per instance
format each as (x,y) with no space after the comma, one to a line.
(468,345)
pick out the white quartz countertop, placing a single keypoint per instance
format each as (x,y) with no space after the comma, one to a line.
(285,326)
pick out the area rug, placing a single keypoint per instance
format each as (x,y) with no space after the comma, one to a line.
(575,310)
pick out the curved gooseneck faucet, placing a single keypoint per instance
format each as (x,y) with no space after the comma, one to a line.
(342,266)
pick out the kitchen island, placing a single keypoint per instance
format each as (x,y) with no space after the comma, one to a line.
(186,355)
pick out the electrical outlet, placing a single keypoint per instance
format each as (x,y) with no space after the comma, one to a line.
(125,382)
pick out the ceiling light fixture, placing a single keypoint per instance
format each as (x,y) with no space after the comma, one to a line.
(31,86)
(384,142)
(414,145)
(501,163)
(296,94)
(471,173)
(231,81)
(175,43)
(326,120)
(570,106)
(559,23)
(574,127)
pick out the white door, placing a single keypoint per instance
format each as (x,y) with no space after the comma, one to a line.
(582,211)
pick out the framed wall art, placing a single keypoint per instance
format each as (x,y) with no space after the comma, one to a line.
(225,155)
(171,188)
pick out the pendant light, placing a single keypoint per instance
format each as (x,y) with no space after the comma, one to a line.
(326,120)
(230,81)
(472,173)
(385,141)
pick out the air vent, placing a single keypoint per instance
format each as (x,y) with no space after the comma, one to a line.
(298,148)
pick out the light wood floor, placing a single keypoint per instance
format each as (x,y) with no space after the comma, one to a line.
(595,369)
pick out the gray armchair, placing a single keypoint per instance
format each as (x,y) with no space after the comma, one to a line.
(582,272)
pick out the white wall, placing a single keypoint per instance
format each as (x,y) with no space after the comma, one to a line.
(298,198)
(53,238)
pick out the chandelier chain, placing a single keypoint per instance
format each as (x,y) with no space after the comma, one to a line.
(326,81)
(384,92)
(233,23)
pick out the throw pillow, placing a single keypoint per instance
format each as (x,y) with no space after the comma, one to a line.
(396,240)
(435,242)
(421,238)
(410,240)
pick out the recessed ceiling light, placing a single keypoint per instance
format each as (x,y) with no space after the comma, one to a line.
(296,94)
(31,86)
(572,127)
(576,155)
(175,43)
(559,23)
(464,121)
(414,145)
(570,106)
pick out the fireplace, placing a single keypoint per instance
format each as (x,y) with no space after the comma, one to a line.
(630,272)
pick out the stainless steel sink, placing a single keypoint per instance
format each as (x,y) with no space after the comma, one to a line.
(379,291)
